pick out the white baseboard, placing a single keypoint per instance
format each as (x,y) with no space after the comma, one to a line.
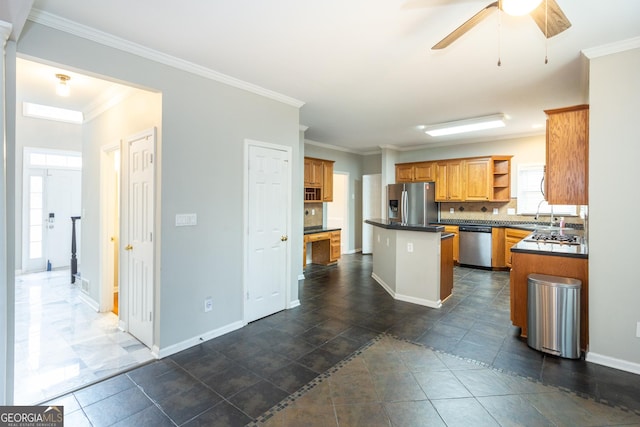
(183,345)
(612,362)
(89,301)
(294,304)
(419,301)
(406,298)
(382,283)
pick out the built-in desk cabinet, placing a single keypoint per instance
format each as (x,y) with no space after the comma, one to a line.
(325,247)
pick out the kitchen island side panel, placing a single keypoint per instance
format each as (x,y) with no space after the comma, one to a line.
(418,267)
(524,264)
(384,258)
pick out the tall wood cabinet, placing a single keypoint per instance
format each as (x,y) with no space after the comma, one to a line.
(567,170)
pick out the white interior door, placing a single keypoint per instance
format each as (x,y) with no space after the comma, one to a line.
(139,245)
(268,201)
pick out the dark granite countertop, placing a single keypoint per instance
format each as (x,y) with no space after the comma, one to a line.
(392,225)
(314,230)
(524,225)
(556,249)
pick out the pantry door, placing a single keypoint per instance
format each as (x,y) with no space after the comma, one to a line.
(268,204)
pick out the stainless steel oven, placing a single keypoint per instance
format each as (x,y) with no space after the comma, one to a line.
(475,245)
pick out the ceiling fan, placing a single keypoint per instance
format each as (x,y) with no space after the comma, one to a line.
(546,13)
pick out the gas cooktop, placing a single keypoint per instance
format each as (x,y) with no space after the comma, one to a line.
(561,239)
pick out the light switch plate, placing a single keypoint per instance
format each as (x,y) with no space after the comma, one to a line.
(183,220)
(495,211)
(208,304)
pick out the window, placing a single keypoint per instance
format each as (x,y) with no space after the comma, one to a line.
(530,194)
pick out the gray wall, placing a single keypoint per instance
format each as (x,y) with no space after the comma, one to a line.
(204,126)
(614,291)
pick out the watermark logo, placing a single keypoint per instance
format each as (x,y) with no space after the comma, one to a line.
(31,416)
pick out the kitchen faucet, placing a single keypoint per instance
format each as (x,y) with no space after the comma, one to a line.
(552,221)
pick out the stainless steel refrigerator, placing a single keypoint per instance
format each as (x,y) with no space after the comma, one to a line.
(412,203)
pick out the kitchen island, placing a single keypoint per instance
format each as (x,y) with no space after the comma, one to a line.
(554,259)
(411,262)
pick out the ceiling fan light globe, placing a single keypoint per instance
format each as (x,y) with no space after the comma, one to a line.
(519,7)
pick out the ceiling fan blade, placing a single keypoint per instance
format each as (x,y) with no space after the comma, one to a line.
(555,22)
(462,29)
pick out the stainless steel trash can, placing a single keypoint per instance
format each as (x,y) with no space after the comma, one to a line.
(553,315)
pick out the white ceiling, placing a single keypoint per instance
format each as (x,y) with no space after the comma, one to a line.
(364,68)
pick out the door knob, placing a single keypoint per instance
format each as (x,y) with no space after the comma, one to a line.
(128,248)
(284,238)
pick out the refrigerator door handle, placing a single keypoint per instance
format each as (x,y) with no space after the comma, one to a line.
(405,207)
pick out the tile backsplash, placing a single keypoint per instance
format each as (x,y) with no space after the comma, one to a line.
(484,212)
(312,215)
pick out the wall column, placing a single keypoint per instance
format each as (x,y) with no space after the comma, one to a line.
(6,276)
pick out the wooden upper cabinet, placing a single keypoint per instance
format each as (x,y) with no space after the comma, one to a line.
(404,173)
(477,178)
(473,179)
(425,171)
(415,172)
(313,172)
(567,169)
(318,180)
(449,181)
(327,181)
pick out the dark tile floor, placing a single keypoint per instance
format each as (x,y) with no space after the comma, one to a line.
(234,379)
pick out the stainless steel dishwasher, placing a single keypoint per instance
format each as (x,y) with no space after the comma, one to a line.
(475,245)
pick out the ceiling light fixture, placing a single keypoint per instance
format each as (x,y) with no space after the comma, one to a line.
(519,7)
(467,125)
(62,88)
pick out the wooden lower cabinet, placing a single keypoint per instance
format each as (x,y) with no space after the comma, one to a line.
(524,264)
(446,268)
(325,247)
(511,237)
(497,247)
(456,240)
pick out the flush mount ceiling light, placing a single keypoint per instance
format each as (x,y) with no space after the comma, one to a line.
(468,125)
(62,88)
(519,7)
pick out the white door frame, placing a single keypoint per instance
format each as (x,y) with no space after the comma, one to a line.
(106,168)
(245,227)
(345,240)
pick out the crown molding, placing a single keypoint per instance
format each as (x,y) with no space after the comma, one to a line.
(611,48)
(331,147)
(71,27)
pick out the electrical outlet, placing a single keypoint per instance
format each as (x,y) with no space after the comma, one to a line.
(409,247)
(208,304)
(313,211)
(495,211)
(451,210)
(387,241)
(378,238)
